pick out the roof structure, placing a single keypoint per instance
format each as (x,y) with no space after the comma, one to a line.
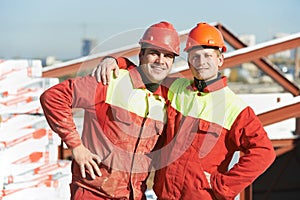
(255,54)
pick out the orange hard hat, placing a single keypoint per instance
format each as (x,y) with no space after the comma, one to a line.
(205,35)
(162,35)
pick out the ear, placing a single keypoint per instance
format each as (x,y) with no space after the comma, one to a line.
(140,57)
(188,60)
(189,64)
(220,60)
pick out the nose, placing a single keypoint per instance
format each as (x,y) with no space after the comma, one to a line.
(160,58)
(199,60)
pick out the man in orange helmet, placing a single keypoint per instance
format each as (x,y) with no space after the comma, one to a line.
(208,123)
(122,121)
(217,123)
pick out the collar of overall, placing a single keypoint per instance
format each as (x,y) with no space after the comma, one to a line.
(201,84)
(150,86)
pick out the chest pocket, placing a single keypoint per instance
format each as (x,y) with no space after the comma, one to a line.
(151,131)
(124,129)
(125,121)
(208,135)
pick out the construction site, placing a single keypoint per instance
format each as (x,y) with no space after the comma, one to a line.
(269,84)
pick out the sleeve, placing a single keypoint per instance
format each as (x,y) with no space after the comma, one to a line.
(125,63)
(257,154)
(57,103)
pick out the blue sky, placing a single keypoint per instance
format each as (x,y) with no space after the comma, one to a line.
(38,28)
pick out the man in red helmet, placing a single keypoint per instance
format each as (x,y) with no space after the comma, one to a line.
(122,121)
(208,123)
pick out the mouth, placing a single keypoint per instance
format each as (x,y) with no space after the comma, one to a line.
(157,67)
(201,68)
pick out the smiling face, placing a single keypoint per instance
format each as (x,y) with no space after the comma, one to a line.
(156,63)
(205,62)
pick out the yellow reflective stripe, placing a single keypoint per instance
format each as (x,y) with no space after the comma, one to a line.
(120,92)
(220,107)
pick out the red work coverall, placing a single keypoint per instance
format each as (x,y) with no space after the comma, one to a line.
(120,130)
(204,129)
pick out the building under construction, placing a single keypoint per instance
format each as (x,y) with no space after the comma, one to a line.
(272,92)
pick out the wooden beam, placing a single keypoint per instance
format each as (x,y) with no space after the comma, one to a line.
(280,114)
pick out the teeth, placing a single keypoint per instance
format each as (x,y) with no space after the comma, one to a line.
(157,68)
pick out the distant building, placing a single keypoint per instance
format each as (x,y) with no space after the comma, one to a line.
(87,46)
(51,60)
(248,39)
(283,54)
(249,71)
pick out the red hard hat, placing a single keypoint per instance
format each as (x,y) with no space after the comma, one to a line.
(205,35)
(162,35)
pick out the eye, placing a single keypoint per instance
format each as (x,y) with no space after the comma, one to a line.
(195,58)
(208,55)
(170,55)
(152,51)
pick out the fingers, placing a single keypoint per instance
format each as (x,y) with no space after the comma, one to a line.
(92,167)
(116,72)
(87,161)
(95,165)
(89,168)
(93,72)
(104,69)
(82,170)
(108,72)
(97,74)
(103,75)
